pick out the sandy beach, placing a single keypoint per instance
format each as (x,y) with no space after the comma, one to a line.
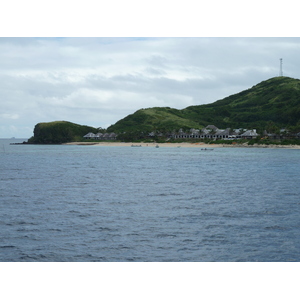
(183,145)
(120,144)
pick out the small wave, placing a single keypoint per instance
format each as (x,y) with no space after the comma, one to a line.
(84,215)
(7,247)
(229,216)
(105,229)
(26,257)
(124,247)
(275,213)
(131,259)
(209,214)
(20,223)
(164,235)
(213,226)
(132,234)
(275,227)
(158,195)
(290,194)
(54,229)
(25,223)
(164,194)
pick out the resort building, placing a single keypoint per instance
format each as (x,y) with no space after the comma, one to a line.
(212,132)
(100,136)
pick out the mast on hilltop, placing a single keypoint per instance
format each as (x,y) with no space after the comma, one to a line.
(280,71)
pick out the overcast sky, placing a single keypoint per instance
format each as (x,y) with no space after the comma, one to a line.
(98,81)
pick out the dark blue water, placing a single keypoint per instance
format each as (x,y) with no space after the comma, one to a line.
(95,203)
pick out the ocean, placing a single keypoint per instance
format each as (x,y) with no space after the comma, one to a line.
(66,203)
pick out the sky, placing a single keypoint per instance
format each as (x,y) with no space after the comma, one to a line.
(98,81)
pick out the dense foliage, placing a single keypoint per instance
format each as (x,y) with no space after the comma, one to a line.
(269,105)
(59,132)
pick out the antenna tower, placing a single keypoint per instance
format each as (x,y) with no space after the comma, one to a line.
(280,72)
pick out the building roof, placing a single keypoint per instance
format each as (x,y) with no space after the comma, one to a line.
(89,135)
(250,133)
(223,131)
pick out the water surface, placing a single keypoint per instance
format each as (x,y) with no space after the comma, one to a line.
(97,203)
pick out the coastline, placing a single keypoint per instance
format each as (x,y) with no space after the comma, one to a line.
(179,145)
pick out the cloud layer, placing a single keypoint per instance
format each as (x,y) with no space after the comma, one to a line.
(97,81)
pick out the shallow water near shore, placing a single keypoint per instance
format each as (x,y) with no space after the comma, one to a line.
(91,203)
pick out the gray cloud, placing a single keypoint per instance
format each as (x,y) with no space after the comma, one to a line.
(97,81)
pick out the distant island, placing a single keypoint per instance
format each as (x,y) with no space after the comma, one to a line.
(271,109)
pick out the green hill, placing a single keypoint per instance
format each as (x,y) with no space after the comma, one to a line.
(271,104)
(59,132)
(156,118)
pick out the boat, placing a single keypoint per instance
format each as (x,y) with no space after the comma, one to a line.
(207,149)
(156,146)
(136,145)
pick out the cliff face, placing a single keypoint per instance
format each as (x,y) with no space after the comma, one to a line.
(59,132)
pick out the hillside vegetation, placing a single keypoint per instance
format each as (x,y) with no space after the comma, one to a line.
(59,132)
(156,118)
(270,105)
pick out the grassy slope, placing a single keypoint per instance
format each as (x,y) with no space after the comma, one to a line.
(59,132)
(273,102)
(156,118)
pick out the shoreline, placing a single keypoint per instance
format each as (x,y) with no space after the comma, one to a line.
(179,145)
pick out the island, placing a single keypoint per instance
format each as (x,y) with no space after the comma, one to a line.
(266,114)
